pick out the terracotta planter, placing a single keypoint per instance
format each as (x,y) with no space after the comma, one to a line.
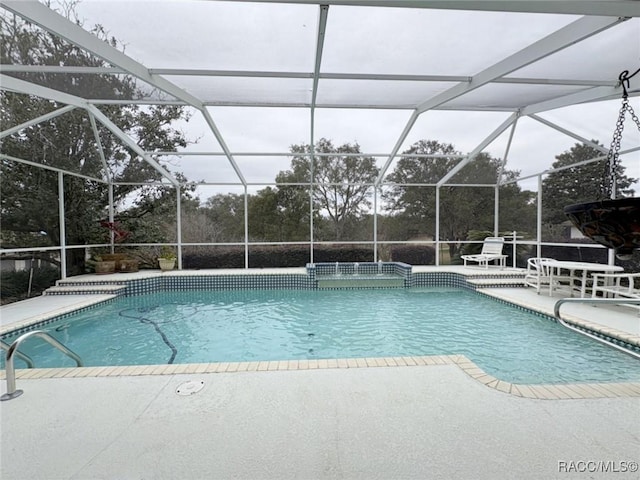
(128,265)
(114,257)
(612,223)
(104,268)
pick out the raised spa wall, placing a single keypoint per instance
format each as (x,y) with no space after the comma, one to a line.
(342,275)
(360,275)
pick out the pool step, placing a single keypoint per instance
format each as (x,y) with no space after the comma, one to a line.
(360,282)
(79,289)
(506,282)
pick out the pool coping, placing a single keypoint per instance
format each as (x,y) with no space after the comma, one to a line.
(531,391)
(591,327)
(586,325)
(90,301)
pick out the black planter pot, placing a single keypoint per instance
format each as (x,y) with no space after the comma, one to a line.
(612,223)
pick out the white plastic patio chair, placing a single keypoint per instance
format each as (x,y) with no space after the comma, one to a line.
(491,251)
(614,284)
(539,275)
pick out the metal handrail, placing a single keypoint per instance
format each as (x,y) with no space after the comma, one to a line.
(596,301)
(11,352)
(22,356)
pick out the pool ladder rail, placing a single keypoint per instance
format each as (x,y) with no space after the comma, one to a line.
(22,356)
(12,352)
(596,301)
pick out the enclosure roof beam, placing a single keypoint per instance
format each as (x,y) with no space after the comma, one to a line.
(50,168)
(43,16)
(505,158)
(13,84)
(407,128)
(495,134)
(128,141)
(322,27)
(317,154)
(584,82)
(569,133)
(17,85)
(35,121)
(223,144)
(595,94)
(96,135)
(361,106)
(622,8)
(582,28)
(401,77)
(48,19)
(574,32)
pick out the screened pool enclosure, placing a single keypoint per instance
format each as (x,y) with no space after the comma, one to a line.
(309,126)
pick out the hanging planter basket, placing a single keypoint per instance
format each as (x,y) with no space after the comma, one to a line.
(612,223)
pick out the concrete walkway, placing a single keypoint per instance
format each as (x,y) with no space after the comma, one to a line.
(377,423)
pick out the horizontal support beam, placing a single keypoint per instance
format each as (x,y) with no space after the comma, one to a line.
(618,8)
(387,77)
(315,154)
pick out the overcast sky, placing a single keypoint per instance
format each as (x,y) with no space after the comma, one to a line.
(246,36)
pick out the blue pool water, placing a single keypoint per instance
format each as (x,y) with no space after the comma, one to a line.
(248,325)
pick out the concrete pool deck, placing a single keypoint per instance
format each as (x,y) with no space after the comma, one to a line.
(420,421)
(385,423)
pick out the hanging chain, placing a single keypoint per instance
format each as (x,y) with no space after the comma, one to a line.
(613,155)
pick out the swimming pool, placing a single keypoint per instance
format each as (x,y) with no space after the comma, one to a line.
(507,342)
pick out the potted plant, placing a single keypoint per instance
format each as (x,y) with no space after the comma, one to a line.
(167,259)
(123,263)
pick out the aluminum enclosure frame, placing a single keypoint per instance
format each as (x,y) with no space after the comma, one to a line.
(597,17)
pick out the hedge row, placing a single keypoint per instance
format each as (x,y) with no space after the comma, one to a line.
(273,256)
(298,255)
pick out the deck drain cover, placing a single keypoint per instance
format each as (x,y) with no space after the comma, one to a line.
(190,387)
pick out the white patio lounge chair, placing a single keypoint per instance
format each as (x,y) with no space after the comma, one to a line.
(491,251)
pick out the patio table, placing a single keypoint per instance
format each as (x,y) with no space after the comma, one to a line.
(585,267)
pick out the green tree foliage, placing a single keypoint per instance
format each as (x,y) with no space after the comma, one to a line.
(29,194)
(461,208)
(226,212)
(340,191)
(279,214)
(577,184)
